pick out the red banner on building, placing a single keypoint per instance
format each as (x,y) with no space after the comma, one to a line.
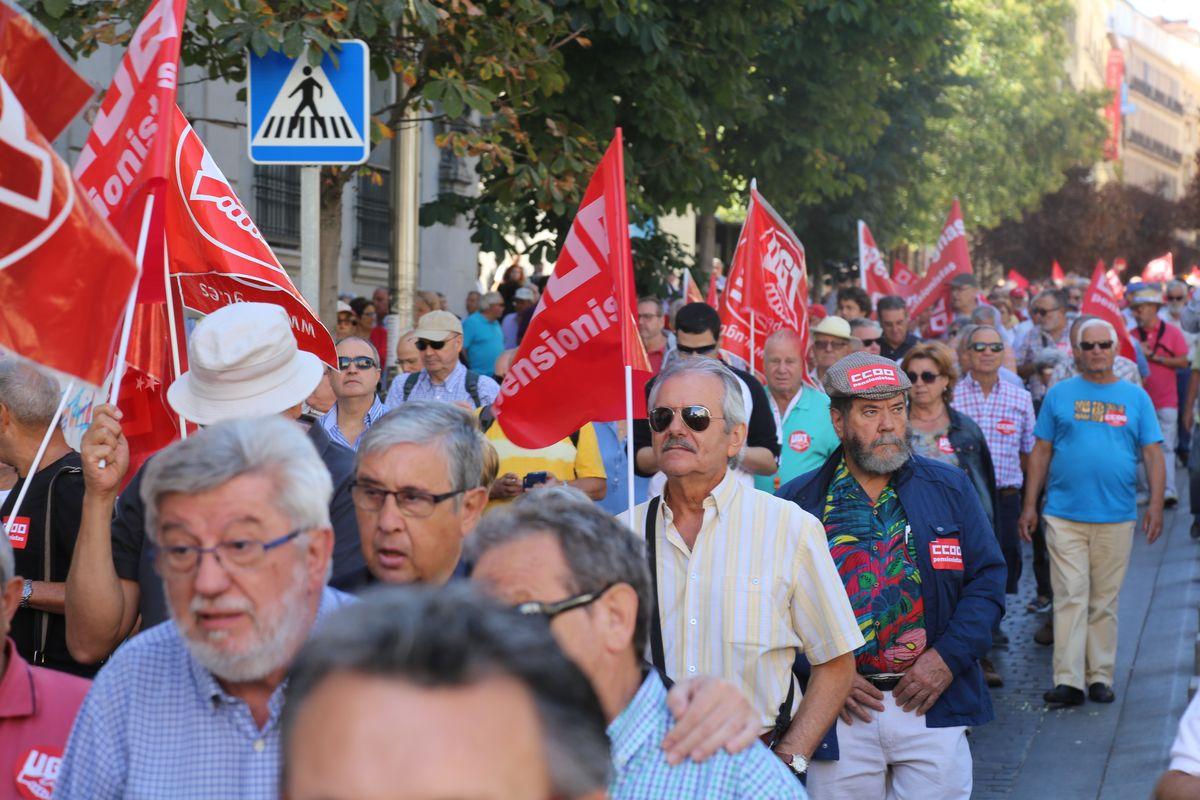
(569,368)
(1100,301)
(39,73)
(1114,74)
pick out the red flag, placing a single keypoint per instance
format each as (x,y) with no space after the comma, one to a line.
(903,278)
(65,276)
(1114,283)
(1193,277)
(216,252)
(1017,279)
(768,277)
(567,371)
(951,258)
(714,280)
(1099,301)
(874,272)
(1160,269)
(1120,265)
(39,73)
(691,292)
(1056,274)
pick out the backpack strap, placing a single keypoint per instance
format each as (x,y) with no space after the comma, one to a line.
(486,418)
(473,387)
(410,383)
(43,628)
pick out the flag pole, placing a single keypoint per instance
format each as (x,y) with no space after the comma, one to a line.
(862,263)
(629,441)
(171,325)
(752,325)
(37,458)
(118,371)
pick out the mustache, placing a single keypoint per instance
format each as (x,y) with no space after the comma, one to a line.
(887,439)
(678,443)
(221,605)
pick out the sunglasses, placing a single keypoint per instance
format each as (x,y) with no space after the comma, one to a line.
(695,417)
(358,362)
(549,611)
(1038,312)
(869,342)
(703,349)
(924,377)
(828,344)
(425,344)
(1090,346)
(1177,298)
(995,347)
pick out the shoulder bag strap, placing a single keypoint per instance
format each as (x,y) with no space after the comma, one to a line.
(656,641)
(39,653)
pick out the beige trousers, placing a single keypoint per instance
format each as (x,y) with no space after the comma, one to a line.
(1087,565)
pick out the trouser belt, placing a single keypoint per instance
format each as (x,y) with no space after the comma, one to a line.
(884,683)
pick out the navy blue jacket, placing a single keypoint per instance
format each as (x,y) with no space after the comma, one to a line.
(962,607)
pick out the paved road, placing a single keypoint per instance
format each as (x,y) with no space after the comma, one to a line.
(1098,751)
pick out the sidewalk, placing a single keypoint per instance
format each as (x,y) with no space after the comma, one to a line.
(1098,751)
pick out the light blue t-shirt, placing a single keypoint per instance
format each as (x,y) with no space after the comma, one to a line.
(806,438)
(1098,431)
(483,340)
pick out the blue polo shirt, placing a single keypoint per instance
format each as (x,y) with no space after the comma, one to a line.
(483,341)
(806,437)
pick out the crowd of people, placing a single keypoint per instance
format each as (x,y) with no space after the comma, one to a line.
(351,580)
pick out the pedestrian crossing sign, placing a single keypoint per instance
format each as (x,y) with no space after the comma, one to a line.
(304,114)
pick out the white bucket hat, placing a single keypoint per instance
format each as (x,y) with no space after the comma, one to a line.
(243,362)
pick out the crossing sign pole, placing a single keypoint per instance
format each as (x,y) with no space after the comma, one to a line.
(306,114)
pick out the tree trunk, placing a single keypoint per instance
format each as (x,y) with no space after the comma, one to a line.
(706,241)
(332,188)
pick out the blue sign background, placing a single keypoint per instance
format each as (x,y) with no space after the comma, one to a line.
(266,76)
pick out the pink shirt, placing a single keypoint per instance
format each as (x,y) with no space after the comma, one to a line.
(1161,385)
(37,709)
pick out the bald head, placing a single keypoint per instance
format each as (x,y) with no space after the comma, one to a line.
(783,362)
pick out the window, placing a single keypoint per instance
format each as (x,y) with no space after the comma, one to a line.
(454,174)
(374,217)
(277,203)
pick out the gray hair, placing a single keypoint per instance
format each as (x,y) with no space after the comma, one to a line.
(367,342)
(986,315)
(272,446)
(1177,284)
(31,397)
(454,636)
(733,407)
(599,551)
(423,422)
(864,322)
(490,299)
(969,332)
(1094,322)
(8,563)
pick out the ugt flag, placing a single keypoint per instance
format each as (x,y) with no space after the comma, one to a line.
(568,370)
(768,283)
(951,258)
(216,253)
(875,280)
(1100,301)
(39,73)
(65,276)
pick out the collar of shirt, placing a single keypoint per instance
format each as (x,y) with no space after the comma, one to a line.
(457,376)
(330,421)
(638,722)
(720,498)
(780,418)
(16,686)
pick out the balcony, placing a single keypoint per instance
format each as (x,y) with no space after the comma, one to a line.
(1156,95)
(1154,146)
(277,204)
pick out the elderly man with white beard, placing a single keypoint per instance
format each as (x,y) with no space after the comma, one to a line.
(239,517)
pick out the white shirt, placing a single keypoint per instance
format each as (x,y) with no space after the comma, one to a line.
(1185,752)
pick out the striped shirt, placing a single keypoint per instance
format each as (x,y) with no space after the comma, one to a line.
(452,390)
(758,585)
(1006,418)
(157,724)
(330,423)
(641,771)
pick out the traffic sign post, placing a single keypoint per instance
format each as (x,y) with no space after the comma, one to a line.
(303,114)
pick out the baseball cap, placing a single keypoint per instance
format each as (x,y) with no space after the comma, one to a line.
(1145,294)
(344,308)
(865,375)
(438,326)
(834,326)
(524,293)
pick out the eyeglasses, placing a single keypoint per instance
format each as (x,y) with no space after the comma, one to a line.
(830,344)
(703,349)
(551,610)
(995,347)
(652,315)
(869,342)
(1038,312)
(358,362)
(237,554)
(924,377)
(1090,346)
(1177,298)
(695,417)
(411,502)
(425,344)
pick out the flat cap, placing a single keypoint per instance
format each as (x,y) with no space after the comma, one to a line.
(965,279)
(865,375)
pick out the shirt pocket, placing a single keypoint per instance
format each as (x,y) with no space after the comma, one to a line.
(752,614)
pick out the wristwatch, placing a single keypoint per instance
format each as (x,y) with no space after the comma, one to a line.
(799,764)
(26,593)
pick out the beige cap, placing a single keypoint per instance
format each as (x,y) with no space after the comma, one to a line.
(834,326)
(438,326)
(344,308)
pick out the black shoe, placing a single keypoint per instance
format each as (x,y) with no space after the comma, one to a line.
(1170,501)
(1039,605)
(1045,634)
(1195,531)
(1063,695)
(999,638)
(1100,693)
(991,676)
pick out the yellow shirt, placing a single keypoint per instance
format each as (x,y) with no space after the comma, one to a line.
(758,584)
(562,460)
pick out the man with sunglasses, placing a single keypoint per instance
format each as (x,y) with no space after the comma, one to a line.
(831,340)
(358,406)
(1167,352)
(243,362)
(562,559)
(239,517)
(924,574)
(1047,344)
(1090,432)
(443,377)
(744,580)
(658,341)
(1004,413)
(867,335)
